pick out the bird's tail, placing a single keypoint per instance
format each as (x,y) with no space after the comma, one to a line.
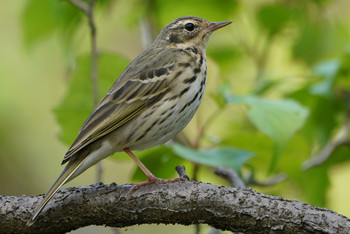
(62,179)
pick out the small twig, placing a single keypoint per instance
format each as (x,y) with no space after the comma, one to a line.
(182,139)
(201,131)
(206,125)
(272,181)
(262,59)
(248,49)
(196,167)
(80,5)
(88,10)
(339,139)
(94,70)
(181,170)
(94,53)
(214,231)
(346,143)
(197,229)
(231,175)
(146,33)
(115,230)
(99,171)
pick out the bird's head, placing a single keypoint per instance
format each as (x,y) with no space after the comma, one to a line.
(188,31)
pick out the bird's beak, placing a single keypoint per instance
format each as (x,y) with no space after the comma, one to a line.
(215,26)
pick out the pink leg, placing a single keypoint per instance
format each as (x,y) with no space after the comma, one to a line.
(151,178)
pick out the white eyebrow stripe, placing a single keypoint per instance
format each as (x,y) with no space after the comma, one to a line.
(177,24)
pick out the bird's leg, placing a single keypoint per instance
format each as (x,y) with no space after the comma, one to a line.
(140,164)
(151,178)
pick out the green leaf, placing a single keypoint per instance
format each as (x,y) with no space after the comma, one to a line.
(217,157)
(41,18)
(319,40)
(273,17)
(161,161)
(78,102)
(279,119)
(328,71)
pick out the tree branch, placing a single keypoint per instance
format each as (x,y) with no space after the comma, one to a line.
(185,203)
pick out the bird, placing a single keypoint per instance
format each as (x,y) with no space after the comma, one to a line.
(153,99)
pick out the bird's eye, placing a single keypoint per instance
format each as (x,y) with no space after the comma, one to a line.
(189,26)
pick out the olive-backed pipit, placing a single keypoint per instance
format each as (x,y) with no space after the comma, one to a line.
(150,103)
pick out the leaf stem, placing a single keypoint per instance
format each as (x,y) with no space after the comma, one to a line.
(206,125)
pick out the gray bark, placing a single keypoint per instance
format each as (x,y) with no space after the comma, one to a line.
(185,203)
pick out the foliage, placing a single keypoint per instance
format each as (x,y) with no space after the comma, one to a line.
(43,18)
(216,157)
(289,117)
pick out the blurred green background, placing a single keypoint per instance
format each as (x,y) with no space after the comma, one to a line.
(278,93)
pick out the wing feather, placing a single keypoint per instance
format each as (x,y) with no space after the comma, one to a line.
(142,84)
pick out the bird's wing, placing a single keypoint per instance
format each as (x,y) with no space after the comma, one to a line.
(143,83)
